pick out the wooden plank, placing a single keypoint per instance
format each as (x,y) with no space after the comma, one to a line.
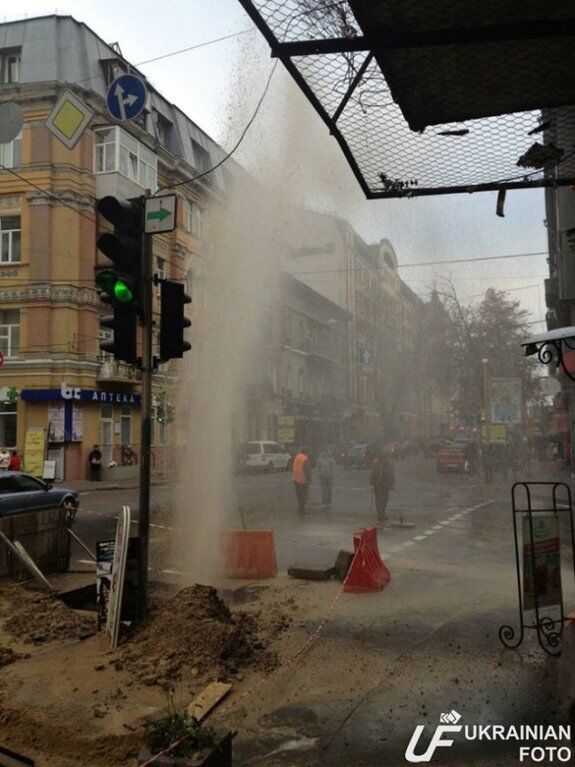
(207,699)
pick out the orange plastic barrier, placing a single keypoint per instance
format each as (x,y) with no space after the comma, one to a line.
(248,554)
(367,571)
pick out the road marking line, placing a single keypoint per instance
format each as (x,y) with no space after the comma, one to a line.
(419,538)
(407,543)
(429,532)
(437,527)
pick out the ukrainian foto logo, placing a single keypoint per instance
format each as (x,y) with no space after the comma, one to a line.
(532,739)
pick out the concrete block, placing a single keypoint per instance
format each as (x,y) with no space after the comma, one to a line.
(311,572)
(342,564)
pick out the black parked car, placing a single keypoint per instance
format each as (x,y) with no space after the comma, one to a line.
(20,493)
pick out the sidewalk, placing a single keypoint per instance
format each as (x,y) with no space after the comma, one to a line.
(131,483)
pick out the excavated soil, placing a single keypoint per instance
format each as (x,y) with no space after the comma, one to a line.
(37,731)
(46,619)
(69,703)
(194,634)
(8,656)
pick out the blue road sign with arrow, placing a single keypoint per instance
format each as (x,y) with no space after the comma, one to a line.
(126,97)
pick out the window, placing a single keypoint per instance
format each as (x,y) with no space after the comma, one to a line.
(8,421)
(117,150)
(202,159)
(10,67)
(23,484)
(11,154)
(10,230)
(193,218)
(10,332)
(126,425)
(105,150)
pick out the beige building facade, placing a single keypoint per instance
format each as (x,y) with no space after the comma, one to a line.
(54,380)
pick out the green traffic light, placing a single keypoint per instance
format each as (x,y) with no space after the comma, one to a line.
(109,282)
(123,292)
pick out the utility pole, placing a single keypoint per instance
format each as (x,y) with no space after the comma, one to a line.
(146,421)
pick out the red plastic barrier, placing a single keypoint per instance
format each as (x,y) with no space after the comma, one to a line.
(248,554)
(367,571)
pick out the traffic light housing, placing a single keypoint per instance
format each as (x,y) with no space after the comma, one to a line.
(173,320)
(121,283)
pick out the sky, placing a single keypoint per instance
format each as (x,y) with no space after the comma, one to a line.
(218,86)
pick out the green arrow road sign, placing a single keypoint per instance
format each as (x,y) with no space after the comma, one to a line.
(160,214)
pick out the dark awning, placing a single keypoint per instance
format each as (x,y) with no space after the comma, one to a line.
(490,82)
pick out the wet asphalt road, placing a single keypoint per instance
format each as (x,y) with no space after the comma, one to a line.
(426,644)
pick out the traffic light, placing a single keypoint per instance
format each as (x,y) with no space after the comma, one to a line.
(173,320)
(123,323)
(121,283)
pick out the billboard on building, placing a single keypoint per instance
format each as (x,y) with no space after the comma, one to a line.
(505,401)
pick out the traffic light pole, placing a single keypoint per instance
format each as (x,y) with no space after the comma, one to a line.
(146,421)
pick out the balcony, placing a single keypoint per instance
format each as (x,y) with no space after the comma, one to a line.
(119,372)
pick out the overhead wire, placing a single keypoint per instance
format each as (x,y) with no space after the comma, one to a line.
(236,145)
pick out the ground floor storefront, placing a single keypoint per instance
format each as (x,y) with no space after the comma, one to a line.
(56,429)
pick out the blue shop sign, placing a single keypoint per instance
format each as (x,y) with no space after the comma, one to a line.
(73,394)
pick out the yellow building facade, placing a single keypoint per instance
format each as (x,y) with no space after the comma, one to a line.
(54,379)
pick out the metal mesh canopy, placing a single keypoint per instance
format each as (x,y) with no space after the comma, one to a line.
(436,96)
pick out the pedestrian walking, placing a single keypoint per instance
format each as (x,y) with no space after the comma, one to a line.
(15,462)
(325,469)
(95,461)
(4,458)
(382,481)
(301,476)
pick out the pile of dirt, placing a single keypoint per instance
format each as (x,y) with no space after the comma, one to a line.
(193,634)
(8,656)
(45,619)
(34,732)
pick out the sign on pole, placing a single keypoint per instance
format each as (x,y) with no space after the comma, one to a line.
(505,400)
(160,214)
(117,575)
(69,119)
(126,97)
(11,121)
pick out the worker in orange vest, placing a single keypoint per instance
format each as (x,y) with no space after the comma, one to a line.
(301,476)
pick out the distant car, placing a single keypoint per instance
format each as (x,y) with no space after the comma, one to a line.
(451,458)
(21,492)
(360,456)
(263,455)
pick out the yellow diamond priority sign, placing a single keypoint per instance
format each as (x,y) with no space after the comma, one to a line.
(69,118)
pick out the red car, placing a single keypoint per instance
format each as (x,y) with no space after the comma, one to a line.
(451,458)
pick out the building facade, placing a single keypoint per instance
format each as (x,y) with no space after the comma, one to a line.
(54,381)
(299,392)
(389,398)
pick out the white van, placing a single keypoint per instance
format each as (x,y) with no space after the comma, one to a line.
(265,456)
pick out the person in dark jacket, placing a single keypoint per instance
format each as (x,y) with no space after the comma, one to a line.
(382,482)
(95,461)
